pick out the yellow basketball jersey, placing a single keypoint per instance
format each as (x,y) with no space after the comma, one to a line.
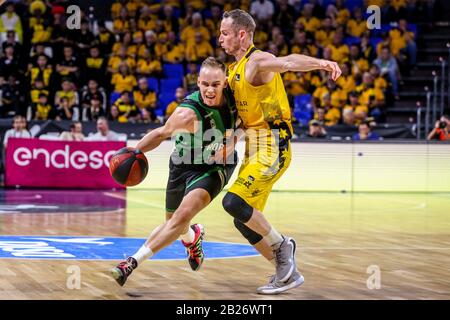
(259,107)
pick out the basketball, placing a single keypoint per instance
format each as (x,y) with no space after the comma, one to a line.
(128,166)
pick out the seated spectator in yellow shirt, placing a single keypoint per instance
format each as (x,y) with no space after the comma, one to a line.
(300,43)
(357,25)
(343,14)
(370,96)
(122,23)
(190,79)
(307,19)
(332,114)
(36,90)
(42,110)
(339,50)
(346,81)
(199,50)
(121,57)
(179,96)
(95,65)
(116,7)
(148,66)
(324,36)
(358,64)
(295,83)
(379,82)
(68,91)
(145,100)
(124,80)
(175,51)
(128,112)
(358,111)
(188,33)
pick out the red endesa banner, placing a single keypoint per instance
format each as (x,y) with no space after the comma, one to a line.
(65,164)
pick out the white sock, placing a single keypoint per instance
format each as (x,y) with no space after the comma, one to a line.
(189,236)
(273,237)
(143,254)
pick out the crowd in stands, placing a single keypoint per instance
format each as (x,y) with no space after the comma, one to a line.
(139,64)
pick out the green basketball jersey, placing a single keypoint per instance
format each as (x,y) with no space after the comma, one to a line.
(196,148)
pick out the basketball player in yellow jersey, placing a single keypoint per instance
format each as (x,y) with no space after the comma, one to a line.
(263,107)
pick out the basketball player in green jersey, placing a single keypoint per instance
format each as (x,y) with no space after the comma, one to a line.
(194,180)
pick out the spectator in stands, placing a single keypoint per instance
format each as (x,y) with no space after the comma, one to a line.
(316,130)
(9,20)
(75,133)
(114,114)
(105,38)
(19,130)
(11,41)
(339,50)
(128,112)
(118,58)
(285,17)
(36,89)
(83,38)
(170,22)
(346,81)
(358,63)
(175,50)
(124,80)
(262,10)
(324,36)
(354,110)
(92,91)
(42,71)
(198,50)
(68,91)
(188,33)
(332,113)
(69,67)
(95,110)
(379,81)
(103,133)
(148,66)
(122,23)
(388,66)
(310,22)
(441,130)
(64,110)
(95,65)
(408,45)
(42,110)
(357,25)
(9,63)
(180,93)
(190,79)
(365,133)
(145,100)
(371,96)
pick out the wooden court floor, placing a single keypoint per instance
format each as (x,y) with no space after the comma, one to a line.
(350,246)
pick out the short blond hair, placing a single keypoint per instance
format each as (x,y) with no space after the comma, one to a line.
(241,20)
(212,62)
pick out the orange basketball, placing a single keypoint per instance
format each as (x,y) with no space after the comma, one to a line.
(128,166)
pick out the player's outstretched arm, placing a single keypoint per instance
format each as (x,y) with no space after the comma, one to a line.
(181,119)
(266,62)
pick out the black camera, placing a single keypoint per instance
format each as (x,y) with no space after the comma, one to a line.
(442,124)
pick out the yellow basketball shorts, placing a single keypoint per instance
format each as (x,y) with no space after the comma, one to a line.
(258,174)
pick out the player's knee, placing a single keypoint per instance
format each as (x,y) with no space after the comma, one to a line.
(237,207)
(181,217)
(251,236)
